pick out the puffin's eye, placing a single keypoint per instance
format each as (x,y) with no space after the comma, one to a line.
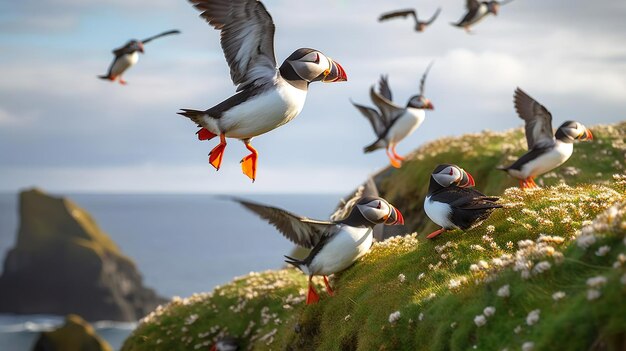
(379,205)
(451,171)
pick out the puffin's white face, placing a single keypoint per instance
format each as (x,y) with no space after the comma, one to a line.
(312,65)
(446,175)
(375,211)
(419,101)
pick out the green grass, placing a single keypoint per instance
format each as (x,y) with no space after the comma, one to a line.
(448,281)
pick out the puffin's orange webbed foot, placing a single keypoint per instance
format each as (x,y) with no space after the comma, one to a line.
(249,163)
(395,154)
(312,296)
(394,162)
(122,81)
(217,154)
(329,290)
(435,233)
(205,134)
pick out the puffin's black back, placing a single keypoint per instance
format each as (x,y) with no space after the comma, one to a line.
(469,206)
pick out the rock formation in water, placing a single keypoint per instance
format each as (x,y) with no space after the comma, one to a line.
(75,334)
(64,263)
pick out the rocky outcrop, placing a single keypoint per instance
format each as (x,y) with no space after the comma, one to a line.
(76,335)
(64,263)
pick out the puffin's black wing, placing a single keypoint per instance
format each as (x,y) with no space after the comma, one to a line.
(345,205)
(376,120)
(147,40)
(469,206)
(389,110)
(423,80)
(537,118)
(124,50)
(527,157)
(396,14)
(472,8)
(434,17)
(383,88)
(300,230)
(247,38)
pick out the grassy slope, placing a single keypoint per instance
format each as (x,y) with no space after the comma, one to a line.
(267,312)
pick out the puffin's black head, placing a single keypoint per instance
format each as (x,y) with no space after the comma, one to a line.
(371,210)
(419,101)
(493,7)
(312,66)
(135,45)
(571,130)
(446,175)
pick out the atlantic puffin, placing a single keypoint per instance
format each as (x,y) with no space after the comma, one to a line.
(267,97)
(420,26)
(128,55)
(394,123)
(451,202)
(477,11)
(335,245)
(546,150)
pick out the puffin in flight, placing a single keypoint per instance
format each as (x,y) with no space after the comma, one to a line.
(128,55)
(477,11)
(420,26)
(546,150)
(335,245)
(394,123)
(267,97)
(451,202)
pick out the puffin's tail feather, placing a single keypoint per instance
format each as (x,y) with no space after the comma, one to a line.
(294,262)
(373,146)
(503,168)
(194,115)
(107,77)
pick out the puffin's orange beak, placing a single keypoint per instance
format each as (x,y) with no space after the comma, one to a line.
(336,73)
(467,180)
(588,135)
(395,218)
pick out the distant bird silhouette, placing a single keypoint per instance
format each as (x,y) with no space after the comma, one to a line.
(394,123)
(477,11)
(546,150)
(420,26)
(127,56)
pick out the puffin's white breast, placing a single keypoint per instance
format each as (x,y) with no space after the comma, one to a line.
(342,250)
(546,162)
(123,63)
(439,213)
(405,125)
(263,112)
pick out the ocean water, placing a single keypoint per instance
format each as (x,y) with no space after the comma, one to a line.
(181,243)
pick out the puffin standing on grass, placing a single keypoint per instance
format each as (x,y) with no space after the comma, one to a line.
(477,11)
(267,97)
(451,202)
(394,123)
(546,149)
(335,245)
(127,56)
(420,26)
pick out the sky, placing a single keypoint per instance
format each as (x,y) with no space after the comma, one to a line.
(64,130)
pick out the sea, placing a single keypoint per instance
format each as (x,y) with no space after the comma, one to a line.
(181,243)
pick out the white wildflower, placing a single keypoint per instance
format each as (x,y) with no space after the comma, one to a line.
(623,279)
(541,267)
(480,320)
(533,317)
(593,294)
(489,311)
(559,295)
(347,318)
(504,291)
(474,268)
(483,264)
(596,282)
(584,241)
(603,250)
(528,346)
(453,325)
(477,248)
(509,245)
(490,229)
(517,329)
(421,276)
(394,317)
(621,259)
(401,277)
(420,317)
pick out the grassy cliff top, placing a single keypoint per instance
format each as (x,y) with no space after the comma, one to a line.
(549,268)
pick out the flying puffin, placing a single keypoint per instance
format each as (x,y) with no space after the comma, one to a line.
(477,11)
(394,123)
(335,245)
(128,55)
(546,150)
(451,202)
(267,97)
(419,25)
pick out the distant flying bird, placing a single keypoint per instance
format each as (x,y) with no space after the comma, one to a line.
(478,10)
(394,123)
(546,150)
(335,245)
(266,97)
(419,25)
(451,202)
(128,55)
